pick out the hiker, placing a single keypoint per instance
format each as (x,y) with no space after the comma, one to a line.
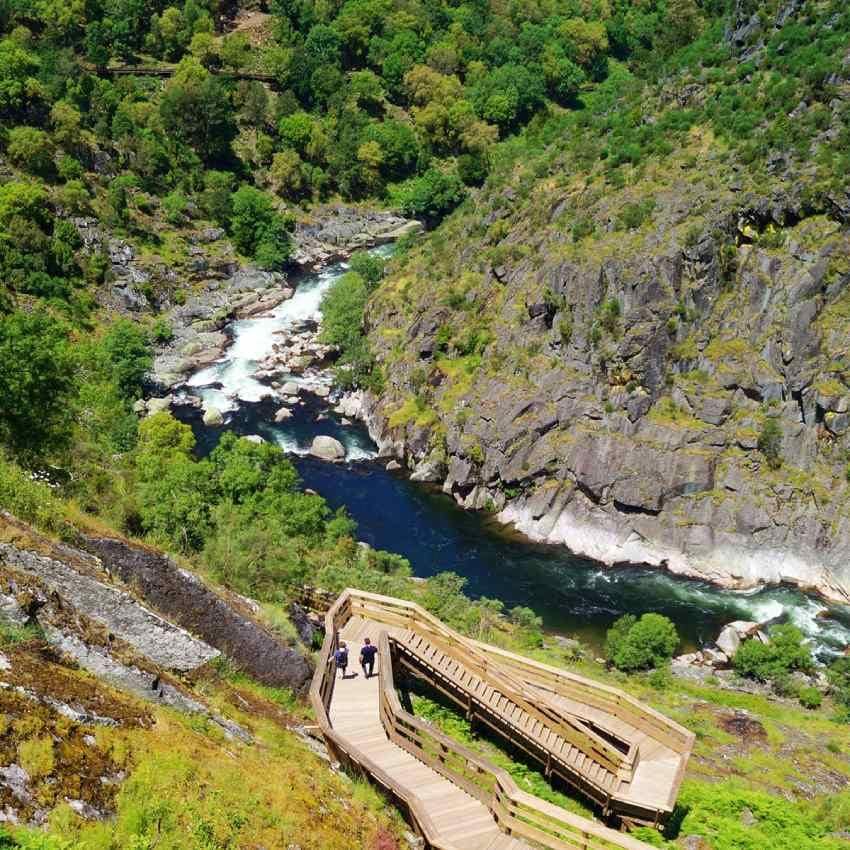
(367,657)
(341,657)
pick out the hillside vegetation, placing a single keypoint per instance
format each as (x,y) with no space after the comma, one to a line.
(630,314)
(633,337)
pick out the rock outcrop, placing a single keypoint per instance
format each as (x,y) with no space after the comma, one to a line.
(184,598)
(684,403)
(334,233)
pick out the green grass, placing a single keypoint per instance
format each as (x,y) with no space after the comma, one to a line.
(526,776)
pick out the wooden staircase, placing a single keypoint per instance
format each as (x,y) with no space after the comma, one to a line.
(617,751)
(564,745)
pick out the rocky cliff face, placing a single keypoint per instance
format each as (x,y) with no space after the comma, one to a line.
(657,372)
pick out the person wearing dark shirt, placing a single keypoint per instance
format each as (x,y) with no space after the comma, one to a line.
(367,657)
(341,657)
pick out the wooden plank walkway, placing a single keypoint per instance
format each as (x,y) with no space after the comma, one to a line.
(618,752)
(463,822)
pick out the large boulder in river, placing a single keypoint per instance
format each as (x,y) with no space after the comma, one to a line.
(213,417)
(156,405)
(327,448)
(732,635)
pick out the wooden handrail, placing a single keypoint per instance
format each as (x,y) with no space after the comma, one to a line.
(321,689)
(516,812)
(560,682)
(530,683)
(566,725)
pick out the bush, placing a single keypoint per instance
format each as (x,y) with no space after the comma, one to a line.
(162,333)
(770,442)
(771,661)
(632,216)
(369,266)
(639,644)
(839,681)
(430,196)
(127,350)
(174,206)
(30,149)
(258,229)
(36,383)
(810,697)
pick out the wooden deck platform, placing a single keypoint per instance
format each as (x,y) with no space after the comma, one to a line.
(623,755)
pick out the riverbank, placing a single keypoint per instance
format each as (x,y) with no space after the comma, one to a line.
(228,291)
(400,512)
(550,518)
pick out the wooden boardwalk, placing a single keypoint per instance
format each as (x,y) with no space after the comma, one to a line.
(627,758)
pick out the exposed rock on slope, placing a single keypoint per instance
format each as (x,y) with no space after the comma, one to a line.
(165,644)
(658,373)
(184,598)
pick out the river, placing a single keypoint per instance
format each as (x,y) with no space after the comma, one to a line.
(574,595)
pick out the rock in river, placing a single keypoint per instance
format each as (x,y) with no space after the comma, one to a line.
(213,417)
(327,448)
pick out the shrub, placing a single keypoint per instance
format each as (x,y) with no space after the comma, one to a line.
(766,662)
(174,206)
(609,315)
(342,326)
(639,644)
(128,354)
(30,149)
(810,697)
(369,266)
(770,442)
(258,229)
(839,681)
(162,332)
(632,216)
(28,498)
(36,383)
(430,196)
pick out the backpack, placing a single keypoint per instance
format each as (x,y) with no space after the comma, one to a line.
(341,656)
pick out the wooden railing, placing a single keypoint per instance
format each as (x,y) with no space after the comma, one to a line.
(527,681)
(411,616)
(518,669)
(560,682)
(321,694)
(597,695)
(517,813)
(165,71)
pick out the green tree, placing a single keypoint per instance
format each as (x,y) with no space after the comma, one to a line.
(31,149)
(174,491)
(369,266)
(770,442)
(639,644)
(18,76)
(258,229)
(196,109)
(342,325)
(216,197)
(127,349)
(430,196)
(785,652)
(36,384)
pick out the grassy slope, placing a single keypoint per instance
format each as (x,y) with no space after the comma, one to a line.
(187,786)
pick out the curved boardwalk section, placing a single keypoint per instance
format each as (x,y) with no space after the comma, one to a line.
(618,752)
